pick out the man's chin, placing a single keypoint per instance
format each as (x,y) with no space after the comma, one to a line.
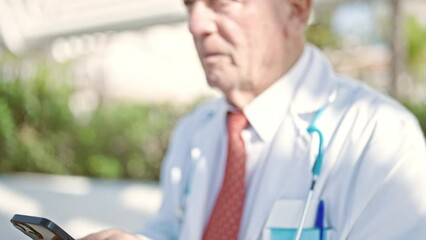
(216,83)
(213,79)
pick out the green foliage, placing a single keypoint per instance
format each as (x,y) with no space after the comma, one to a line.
(416,44)
(125,140)
(39,133)
(419,111)
(320,33)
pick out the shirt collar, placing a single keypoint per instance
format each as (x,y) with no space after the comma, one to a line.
(266,112)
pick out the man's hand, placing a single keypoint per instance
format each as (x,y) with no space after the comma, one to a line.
(112,234)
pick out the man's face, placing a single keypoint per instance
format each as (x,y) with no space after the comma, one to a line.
(239,42)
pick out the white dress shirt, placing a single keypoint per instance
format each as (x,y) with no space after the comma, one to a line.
(265,115)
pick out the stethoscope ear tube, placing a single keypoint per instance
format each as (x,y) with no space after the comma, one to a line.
(316,170)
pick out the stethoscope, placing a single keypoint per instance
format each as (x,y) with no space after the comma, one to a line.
(316,169)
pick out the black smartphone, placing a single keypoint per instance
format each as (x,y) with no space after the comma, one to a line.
(38,228)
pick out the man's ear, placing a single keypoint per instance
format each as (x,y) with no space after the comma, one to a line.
(300,11)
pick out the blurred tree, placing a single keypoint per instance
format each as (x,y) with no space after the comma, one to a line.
(416,46)
(33,112)
(398,47)
(320,32)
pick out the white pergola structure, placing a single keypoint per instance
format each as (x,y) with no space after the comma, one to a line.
(25,24)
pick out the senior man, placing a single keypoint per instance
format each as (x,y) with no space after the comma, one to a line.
(240,167)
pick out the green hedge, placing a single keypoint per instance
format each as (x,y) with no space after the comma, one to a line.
(39,133)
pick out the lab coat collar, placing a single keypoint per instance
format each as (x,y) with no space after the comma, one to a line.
(306,88)
(266,112)
(317,85)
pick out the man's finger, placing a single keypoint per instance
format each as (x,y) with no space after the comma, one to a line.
(101,235)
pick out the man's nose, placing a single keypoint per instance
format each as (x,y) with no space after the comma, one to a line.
(201,19)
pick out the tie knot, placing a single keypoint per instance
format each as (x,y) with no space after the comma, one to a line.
(236,122)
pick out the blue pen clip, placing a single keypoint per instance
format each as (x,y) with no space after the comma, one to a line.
(319,223)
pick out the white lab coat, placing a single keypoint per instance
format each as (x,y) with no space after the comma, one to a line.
(374,172)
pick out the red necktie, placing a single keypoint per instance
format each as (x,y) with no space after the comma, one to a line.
(225,219)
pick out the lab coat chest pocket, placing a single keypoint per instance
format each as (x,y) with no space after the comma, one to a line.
(284,218)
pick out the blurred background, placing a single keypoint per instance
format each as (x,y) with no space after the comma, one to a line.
(91,89)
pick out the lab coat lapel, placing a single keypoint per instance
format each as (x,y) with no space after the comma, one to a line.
(204,153)
(286,173)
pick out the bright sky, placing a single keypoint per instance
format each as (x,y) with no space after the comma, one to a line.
(355,21)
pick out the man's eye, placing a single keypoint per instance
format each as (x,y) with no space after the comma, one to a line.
(188,3)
